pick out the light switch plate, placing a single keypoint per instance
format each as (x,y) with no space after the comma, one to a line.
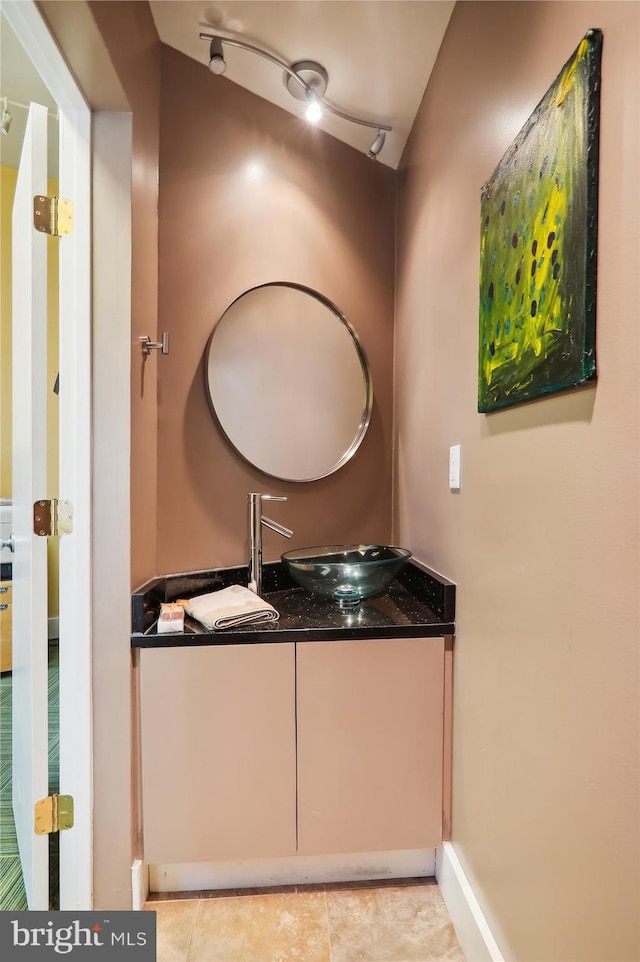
(454,467)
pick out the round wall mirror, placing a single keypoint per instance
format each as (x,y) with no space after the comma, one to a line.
(288,382)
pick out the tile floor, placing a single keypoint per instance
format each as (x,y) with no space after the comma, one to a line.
(398,921)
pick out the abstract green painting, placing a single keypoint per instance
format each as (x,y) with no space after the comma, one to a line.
(539,245)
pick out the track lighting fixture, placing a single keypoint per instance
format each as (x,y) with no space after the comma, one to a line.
(305,80)
(5,124)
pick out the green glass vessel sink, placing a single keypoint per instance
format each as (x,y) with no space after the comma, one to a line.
(345,573)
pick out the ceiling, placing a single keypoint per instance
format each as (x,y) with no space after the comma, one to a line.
(378,53)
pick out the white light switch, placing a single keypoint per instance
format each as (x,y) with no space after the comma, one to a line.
(454,467)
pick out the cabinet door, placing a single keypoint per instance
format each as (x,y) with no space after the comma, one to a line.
(369,745)
(218,752)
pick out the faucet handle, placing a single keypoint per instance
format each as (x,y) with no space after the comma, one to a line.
(273,497)
(278,528)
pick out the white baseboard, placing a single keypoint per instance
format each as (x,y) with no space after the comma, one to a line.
(139,885)
(298,869)
(474,934)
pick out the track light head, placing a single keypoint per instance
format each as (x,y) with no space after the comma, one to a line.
(377,145)
(5,124)
(217,62)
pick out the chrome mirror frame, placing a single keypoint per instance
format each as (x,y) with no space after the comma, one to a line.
(367,386)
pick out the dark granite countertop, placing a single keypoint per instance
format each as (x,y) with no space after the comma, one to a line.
(418,603)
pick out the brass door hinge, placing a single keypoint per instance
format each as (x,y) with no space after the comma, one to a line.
(53,814)
(52,215)
(52,518)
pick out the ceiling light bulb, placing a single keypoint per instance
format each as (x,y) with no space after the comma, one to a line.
(6,118)
(313,113)
(217,62)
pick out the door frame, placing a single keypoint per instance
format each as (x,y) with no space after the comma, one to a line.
(76,764)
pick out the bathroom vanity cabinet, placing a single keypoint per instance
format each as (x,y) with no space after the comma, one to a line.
(268,750)
(314,747)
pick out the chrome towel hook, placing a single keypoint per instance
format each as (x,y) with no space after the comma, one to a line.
(148,345)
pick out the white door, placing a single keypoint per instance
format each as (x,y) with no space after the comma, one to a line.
(29,484)
(29,402)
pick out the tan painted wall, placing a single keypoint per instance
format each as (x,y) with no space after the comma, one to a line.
(132,41)
(118,68)
(114,51)
(322,216)
(543,537)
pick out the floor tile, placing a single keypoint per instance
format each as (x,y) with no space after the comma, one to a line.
(175,921)
(284,927)
(404,924)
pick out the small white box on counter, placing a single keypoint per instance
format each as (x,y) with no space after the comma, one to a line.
(171,618)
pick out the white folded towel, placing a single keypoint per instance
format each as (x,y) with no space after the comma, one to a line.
(229,607)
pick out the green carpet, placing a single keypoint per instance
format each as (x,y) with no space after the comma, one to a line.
(12,894)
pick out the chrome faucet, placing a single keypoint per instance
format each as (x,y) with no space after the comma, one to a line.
(256,520)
